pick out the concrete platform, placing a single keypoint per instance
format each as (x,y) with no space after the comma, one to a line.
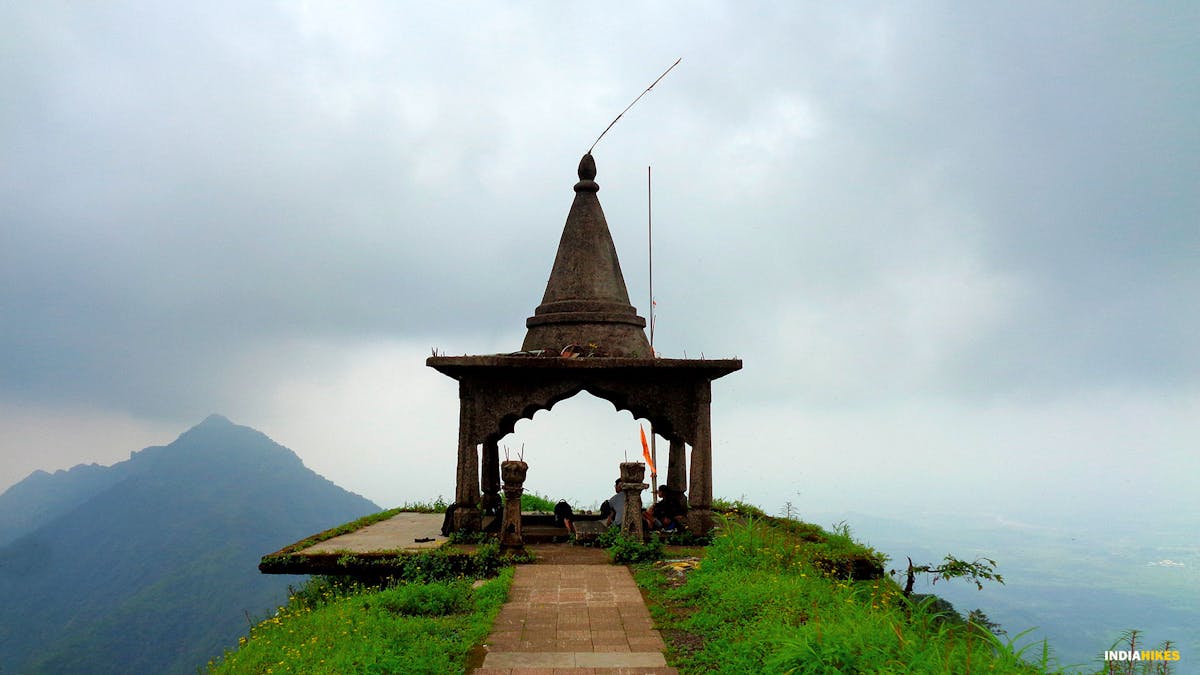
(400,532)
(372,549)
(368,551)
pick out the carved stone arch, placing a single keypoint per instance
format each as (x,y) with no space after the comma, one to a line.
(626,401)
(504,409)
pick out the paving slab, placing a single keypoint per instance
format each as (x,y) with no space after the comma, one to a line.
(574,619)
(401,531)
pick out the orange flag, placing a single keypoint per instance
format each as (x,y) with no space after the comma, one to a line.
(646,452)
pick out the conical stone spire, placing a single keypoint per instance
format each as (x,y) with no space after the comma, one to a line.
(586,302)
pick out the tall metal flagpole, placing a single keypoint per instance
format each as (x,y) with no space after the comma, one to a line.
(650,257)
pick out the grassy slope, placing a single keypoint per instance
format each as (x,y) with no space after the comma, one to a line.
(763,600)
(770,595)
(412,628)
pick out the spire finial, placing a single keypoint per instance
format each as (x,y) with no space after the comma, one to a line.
(587,175)
(587,167)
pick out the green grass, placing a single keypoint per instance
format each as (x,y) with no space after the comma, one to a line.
(333,626)
(773,595)
(769,595)
(532,501)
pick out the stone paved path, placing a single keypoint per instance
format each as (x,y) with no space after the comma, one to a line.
(573,619)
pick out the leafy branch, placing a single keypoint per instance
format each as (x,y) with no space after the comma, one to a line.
(976,571)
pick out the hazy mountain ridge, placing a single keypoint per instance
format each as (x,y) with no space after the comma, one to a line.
(155,569)
(43,496)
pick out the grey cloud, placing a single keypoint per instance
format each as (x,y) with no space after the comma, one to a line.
(187,185)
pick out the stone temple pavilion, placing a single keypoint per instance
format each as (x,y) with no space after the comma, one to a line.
(584,336)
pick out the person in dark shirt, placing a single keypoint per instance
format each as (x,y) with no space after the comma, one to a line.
(669,512)
(563,515)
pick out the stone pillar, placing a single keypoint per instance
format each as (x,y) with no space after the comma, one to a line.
(700,518)
(677,469)
(632,475)
(514,485)
(466,489)
(490,479)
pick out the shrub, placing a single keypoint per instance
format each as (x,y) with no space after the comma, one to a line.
(532,501)
(436,599)
(623,550)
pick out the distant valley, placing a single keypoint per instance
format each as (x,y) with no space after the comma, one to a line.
(1079,588)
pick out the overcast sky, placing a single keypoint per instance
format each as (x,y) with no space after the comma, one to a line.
(956,245)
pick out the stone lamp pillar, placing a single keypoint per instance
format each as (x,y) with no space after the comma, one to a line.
(513,473)
(632,475)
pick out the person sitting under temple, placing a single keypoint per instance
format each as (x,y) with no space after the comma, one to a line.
(564,515)
(669,512)
(613,510)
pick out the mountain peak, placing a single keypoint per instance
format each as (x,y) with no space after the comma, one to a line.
(216,420)
(90,549)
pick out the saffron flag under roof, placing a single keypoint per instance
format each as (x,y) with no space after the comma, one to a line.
(646,452)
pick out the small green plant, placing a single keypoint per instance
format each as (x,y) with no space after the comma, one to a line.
(470,537)
(623,550)
(982,621)
(976,571)
(1131,640)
